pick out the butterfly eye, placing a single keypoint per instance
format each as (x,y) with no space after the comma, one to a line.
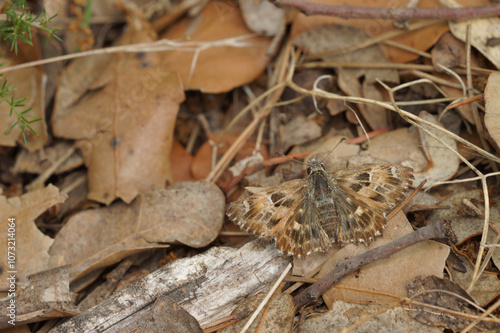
(309,170)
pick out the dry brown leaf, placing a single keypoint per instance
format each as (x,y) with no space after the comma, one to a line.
(450,52)
(44,296)
(400,146)
(445,294)
(466,225)
(263,17)
(385,280)
(222,68)
(486,288)
(343,315)
(492,99)
(124,121)
(41,161)
(168,316)
(277,315)
(298,131)
(421,39)
(442,163)
(28,82)
(31,245)
(101,237)
(482,30)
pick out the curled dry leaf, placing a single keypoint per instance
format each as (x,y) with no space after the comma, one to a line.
(492,98)
(190,213)
(31,245)
(124,119)
(442,163)
(427,258)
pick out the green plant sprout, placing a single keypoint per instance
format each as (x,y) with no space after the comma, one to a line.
(17,26)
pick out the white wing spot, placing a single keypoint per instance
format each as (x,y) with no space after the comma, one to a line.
(393,172)
(359,211)
(296,226)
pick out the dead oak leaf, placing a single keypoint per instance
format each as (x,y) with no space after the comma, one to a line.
(123,120)
(29,245)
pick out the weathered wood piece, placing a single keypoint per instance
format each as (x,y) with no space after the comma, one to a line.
(206,285)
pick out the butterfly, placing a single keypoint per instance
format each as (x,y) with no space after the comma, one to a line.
(308,215)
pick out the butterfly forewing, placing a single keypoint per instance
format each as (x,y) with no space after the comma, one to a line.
(307,215)
(282,212)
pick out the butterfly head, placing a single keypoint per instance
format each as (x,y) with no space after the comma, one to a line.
(314,166)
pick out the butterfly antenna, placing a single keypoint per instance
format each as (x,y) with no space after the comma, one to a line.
(331,151)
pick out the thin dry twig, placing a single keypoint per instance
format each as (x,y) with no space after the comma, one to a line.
(156,46)
(400,13)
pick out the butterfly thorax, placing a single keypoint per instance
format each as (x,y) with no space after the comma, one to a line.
(319,187)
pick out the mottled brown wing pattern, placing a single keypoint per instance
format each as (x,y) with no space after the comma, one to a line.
(364,196)
(308,215)
(283,213)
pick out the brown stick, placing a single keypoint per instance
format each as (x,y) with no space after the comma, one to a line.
(400,13)
(345,267)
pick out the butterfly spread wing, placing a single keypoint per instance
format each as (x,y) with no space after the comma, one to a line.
(284,213)
(364,196)
(307,215)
